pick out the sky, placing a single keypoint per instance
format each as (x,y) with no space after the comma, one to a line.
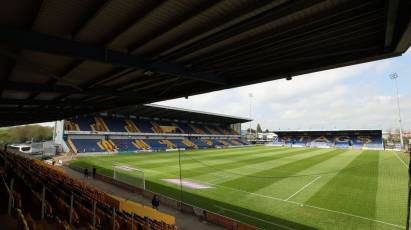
(355,97)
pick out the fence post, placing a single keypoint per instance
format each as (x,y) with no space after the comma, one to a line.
(10,196)
(43,201)
(94,213)
(71,208)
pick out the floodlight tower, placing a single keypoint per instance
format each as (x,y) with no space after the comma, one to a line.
(394,77)
(250,95)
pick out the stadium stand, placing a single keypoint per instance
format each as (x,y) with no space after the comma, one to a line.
(104,133)
(45,196)
(356,139)
(87,145)
(200,143)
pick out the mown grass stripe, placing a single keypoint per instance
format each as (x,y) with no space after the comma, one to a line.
(264,178)
(162,159)
(356,183)
(188,159)
(227,168)
(392,192)
(200,153)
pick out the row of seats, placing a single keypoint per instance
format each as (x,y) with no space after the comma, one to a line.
(332,141)
(31,176)
(115,124)
(129,145)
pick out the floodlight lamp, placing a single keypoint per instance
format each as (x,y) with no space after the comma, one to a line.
(393,76)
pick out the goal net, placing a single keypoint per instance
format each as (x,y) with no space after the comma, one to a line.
(129,175)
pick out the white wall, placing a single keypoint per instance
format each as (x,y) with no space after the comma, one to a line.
(58,135)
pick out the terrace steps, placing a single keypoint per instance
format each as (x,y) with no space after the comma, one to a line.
(131,126)
(72,146)
(99,125)
(109,146)
(178,127)
(212,130)
(189,143)
(156,127)
(224,142)
(196,129)
(141,144)
(169,144)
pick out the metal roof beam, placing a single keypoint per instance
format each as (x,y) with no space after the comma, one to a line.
(50,44)
(392,10)
(76,104)
(405,40)
(41,88)
(243,26)
(65,103)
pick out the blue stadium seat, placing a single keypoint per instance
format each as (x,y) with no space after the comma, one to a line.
(186,128)
(84,123)
(200,144)
(144,126)
(87,145)
(115,124)
(178,143)
(155,144)
(124,145)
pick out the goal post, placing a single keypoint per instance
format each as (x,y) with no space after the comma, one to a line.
(129,175)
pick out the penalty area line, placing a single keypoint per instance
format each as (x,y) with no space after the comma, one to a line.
(302,188)
(253,217)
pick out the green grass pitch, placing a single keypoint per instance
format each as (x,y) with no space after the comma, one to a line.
(281,188)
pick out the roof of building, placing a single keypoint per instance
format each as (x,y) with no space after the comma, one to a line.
(167,112)
(64,58)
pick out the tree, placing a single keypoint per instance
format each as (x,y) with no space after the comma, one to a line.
(259,130)
(267,131)
(252,130)
(26,133)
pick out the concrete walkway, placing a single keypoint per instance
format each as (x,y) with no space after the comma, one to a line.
(183,220)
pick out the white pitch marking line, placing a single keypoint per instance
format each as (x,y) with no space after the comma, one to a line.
(304,187)
(402,161)
(269,222)
(352,215)
(311,206)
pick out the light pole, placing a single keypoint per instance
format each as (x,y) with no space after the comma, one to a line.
(394,77)
(250,95)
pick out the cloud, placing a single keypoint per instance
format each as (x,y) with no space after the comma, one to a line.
(349,97)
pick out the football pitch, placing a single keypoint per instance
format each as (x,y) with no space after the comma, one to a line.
(278,187)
